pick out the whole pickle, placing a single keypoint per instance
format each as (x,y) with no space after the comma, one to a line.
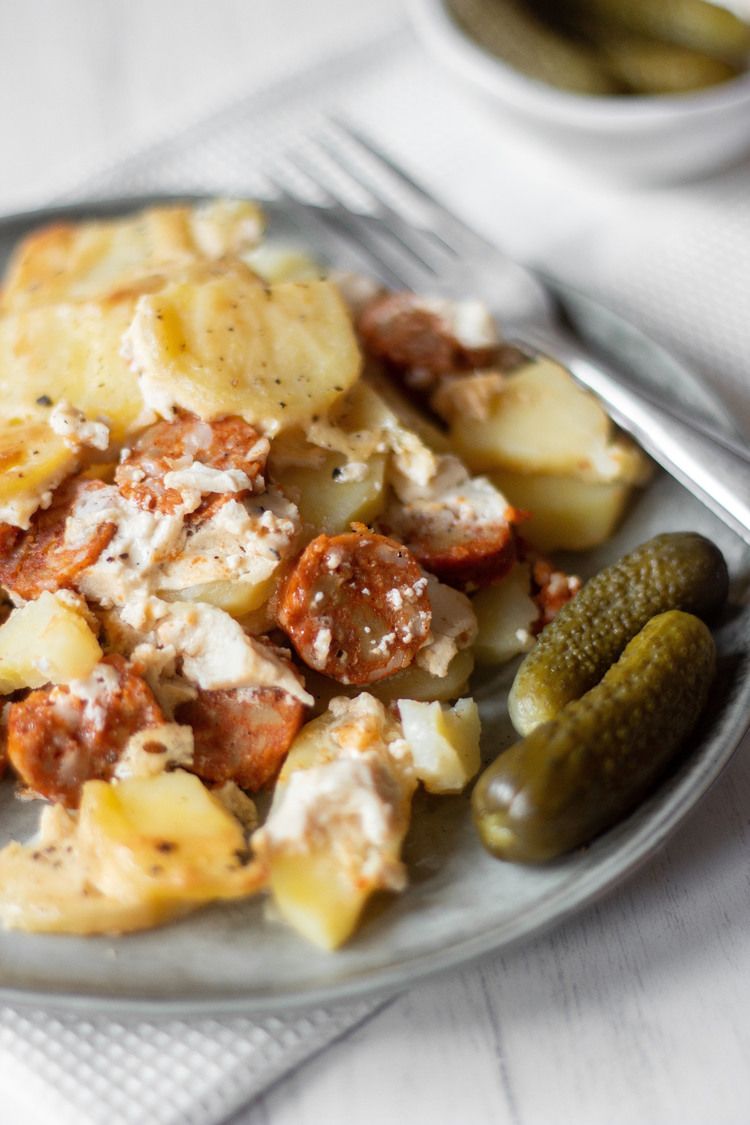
(509,31)
(690,23)
(648,67)
(581,773)
(677,570)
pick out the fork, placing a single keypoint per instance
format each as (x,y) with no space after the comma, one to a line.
(358,194)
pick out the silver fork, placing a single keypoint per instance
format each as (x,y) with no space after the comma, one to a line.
(431,250)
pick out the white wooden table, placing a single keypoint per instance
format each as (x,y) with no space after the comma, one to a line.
(639,1009)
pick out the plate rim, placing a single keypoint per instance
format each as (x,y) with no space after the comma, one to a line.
(384,982)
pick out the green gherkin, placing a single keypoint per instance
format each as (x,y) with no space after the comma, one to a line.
(576,776)
(677,570)
(689,23)
(648,67)
(514,34)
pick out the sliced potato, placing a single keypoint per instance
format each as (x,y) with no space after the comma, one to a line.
(275,262)
(505,615)
(33,461)
(409,415)
(48,891)
(444,742)
(164,838)
(363,423)
(417,683)
(566,513)
(338,819)
(140,853)
(71,351)
(224,343)
(413,683)
(542,421)
(46,641)
(93,260)
(335,493)
(317,897)
(237,598)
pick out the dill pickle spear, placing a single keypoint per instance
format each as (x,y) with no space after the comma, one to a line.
(648,67)
(690,23)
(512,33)
(676,570)
(580,774)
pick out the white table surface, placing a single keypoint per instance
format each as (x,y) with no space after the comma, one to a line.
(639,1009)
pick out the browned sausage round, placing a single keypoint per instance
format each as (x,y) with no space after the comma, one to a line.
(229,443)
(403,330)
(356,607)
(241,735)
(38,559)
(57,741)
(457,554)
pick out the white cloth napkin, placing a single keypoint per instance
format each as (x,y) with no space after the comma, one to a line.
(676,261)
(64,1070)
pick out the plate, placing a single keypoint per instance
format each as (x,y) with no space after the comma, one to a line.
(461,904)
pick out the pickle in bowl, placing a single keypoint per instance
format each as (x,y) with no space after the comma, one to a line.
(612,47)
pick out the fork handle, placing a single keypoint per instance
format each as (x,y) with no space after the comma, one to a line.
(717,474)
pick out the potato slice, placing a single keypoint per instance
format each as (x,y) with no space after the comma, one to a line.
(163,838)
(336,492)
(316,897)
(444,742)
(225,343)
(567,514)
(33,461)
(542,421)
(412,683)
(363,423)
(409,415)
(46,641)
(235,598)
(93,260)
(140,853)
(71,351)
(48,891)
(417,683)
(506,614)
(338,819)
(276,262)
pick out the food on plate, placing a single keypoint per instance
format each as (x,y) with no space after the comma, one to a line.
(611,47)
(97,259)
(135,855)
(582,771)
(242,735)
(567,513)
(676,570)
(255,534)
(223,342)
(356,607)
(47,641)
(339,816)
(44,556)
(60,737)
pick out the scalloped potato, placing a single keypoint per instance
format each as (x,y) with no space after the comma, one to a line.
(228,344)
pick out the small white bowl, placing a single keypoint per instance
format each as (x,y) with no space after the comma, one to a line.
(655,138)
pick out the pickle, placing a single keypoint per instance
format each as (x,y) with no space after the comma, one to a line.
(677,570)
(509,31)
(648,67)
(578,775)
(689,23)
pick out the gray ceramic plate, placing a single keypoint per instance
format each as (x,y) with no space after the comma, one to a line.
(461,903)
